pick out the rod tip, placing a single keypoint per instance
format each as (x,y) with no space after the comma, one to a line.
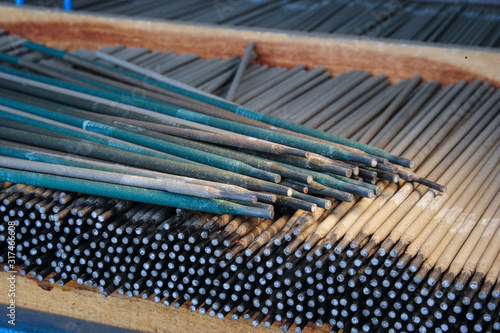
(431,184)
(327,204)
(403,161)
(382,160)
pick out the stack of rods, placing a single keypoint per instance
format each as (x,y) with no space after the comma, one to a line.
(408,259)
(106,118)
(454,22)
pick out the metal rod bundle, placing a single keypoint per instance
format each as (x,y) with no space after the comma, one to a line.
(92,107)
(389,253)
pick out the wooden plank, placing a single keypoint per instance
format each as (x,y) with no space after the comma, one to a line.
(83,303)
(396,59)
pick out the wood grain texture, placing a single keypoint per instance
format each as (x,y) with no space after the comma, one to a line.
(84,303)
(396,59)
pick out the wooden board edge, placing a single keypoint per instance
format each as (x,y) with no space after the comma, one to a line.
(395,60)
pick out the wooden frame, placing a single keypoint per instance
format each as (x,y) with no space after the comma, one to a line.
(397,59)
